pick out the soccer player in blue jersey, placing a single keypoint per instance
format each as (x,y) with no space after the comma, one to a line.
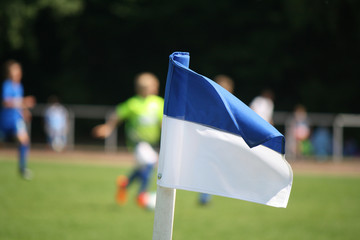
(14,111)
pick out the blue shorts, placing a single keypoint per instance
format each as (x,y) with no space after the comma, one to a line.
(12,128)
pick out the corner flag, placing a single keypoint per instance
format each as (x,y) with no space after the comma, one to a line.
(213,143)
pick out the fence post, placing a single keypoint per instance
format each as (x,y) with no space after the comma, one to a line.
(111,141)
(338,139)
(71,130)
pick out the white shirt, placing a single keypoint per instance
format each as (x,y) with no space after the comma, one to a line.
(264,107)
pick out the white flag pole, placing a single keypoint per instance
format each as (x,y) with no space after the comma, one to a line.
(164,213)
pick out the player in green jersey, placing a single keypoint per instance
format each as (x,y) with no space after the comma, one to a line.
(142,115)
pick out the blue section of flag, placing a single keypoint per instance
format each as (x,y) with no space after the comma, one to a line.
(192,97)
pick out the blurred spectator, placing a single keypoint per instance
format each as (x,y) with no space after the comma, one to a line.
(56,124)
(142,114)
(227,83)
(298,137)
(264,105)
(15,112)
(351,148)
(321,141)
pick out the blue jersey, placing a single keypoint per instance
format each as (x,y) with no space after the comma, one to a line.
(14,92)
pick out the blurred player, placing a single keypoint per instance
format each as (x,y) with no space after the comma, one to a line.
(56,124)
(298,144)
(142,114)
(14,113)
(264,105)
(227,83)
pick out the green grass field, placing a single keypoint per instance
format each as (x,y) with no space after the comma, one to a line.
(76,201)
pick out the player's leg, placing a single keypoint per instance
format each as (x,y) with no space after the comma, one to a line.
(136,173)
(62,140)
(58,139)
(145,177)
(24,145)
(122,183)
(204,198)
(121,192)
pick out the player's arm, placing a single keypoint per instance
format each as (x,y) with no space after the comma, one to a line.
(22,103)
(11,102)
(121,112)
(19,102)
(104,130)
(29,102)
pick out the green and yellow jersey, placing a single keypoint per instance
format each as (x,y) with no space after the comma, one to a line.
(142,118)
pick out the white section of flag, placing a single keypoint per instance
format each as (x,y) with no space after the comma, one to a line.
(198,158)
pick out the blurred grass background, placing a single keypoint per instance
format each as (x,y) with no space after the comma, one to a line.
(76,201)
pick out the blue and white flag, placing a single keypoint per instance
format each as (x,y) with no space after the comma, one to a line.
(213,143)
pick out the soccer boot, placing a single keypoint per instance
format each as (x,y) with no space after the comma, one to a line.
(121,194)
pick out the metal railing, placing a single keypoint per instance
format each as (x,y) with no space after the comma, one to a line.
(335,121)
(341,121)
(76,111)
